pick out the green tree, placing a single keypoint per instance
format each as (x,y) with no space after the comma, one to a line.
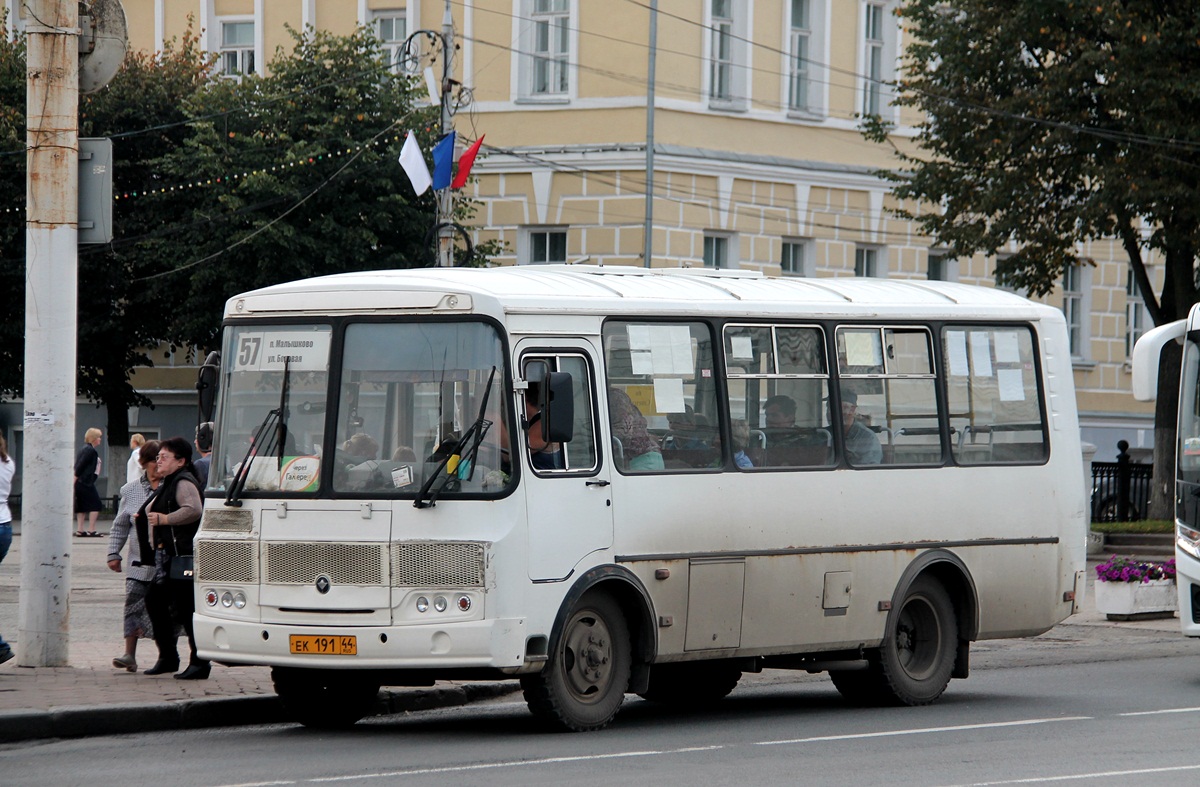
(299,178)
(1051,123)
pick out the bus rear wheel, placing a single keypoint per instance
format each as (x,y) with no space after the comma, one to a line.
(691,684)
(583,683)
(324,699)
(913,665)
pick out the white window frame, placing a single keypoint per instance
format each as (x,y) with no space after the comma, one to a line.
(938,262)
(240,51)
(805,266)
(527,21)
(878,36)
(1137,316)
(870,261)
(724,246)
(812,35)
(527,242)
(735,62)
(393,48)
(1076,307)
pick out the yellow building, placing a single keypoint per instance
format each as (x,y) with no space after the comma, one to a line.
(758,162)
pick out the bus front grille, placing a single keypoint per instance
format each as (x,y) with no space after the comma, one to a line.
(345,564)
(226,561)
(431,564)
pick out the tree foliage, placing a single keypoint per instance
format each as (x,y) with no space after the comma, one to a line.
(1051,123)
(222,186)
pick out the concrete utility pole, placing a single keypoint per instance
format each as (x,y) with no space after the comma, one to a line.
(648,249)
(446,197)
(51,259)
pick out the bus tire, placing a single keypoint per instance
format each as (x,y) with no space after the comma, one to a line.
(583,684)
(913,665)
(691,684)
(324,699)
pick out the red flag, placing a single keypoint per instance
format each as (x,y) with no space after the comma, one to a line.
(465,162)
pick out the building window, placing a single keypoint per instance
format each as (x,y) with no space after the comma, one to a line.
(1137,317)
(1072,307)
(392,29)
(551,47)
(873,60)
(721,59)
(800,56)
(716,251)
(796,259)
(546,246)
(237,48)
(941,267)
(869,262)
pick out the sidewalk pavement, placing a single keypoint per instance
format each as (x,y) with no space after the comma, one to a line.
(90,697)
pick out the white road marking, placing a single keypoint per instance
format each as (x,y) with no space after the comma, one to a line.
(1079,776)
(1156,712)
(925,730)
(511,764)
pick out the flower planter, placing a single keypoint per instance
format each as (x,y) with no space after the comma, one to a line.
(1157,598)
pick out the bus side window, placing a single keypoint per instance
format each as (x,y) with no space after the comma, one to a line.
(571,446)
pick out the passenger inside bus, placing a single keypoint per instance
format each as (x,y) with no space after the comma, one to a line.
(862,446)
(788,445)
(640,449)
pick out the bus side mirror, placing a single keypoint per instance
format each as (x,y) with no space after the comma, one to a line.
(557,405)
(206,385)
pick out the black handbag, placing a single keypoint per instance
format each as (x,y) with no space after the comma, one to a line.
(182,568)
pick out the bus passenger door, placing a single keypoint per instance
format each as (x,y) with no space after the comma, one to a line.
(566,489)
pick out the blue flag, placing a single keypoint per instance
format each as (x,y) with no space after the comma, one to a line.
(443,161)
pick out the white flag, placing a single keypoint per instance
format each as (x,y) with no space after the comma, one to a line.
(414,165)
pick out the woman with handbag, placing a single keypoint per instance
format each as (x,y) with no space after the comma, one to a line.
(173,516)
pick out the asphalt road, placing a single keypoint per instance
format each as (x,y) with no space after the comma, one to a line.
(1080,708)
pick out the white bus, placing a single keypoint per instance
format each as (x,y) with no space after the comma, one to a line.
(1146,355)
(612,480)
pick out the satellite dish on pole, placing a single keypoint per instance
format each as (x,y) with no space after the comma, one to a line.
(103,40)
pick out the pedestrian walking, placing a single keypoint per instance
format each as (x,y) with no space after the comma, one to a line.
(140,571)
(8,469)
(87,469)
(133,468)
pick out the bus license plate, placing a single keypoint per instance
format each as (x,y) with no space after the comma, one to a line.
(323,646)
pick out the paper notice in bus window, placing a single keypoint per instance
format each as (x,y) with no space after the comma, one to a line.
(742,348)
(668,395)
(1008,347)
(862,349)
(981,353)
(672,346)
(1011,387)
(300,474)
(642,397)
(642,362)
(956,351)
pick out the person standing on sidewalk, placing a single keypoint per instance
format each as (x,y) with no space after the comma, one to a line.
(134,467)
(174,512)
(8,469)
(140,571)
(87,470)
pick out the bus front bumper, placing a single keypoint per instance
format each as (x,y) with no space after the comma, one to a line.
(1187,581)
(482,643)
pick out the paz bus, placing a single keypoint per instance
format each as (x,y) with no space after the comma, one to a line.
(603,481)
(1145,359)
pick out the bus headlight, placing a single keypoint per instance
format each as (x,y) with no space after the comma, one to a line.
(422,604)
(239,600)
(227,599)
(1188,540)
(439,603)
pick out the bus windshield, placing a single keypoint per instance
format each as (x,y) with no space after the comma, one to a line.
(407,393)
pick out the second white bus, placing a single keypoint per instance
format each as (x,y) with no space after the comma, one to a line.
(603,481)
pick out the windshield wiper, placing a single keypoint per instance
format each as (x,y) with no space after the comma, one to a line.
(267,427)
(464,465)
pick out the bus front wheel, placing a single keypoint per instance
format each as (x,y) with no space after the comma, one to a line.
(324,699)
(913,665)
(584,681)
